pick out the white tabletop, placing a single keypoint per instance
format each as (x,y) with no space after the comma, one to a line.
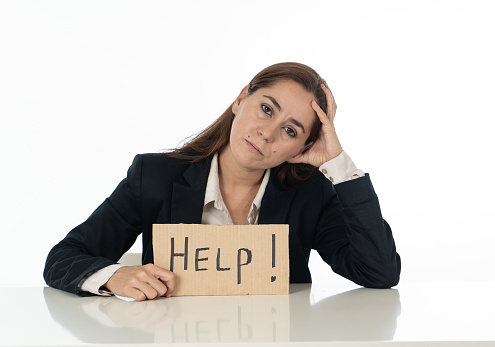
(420,313)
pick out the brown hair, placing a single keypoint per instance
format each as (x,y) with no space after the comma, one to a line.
(215,137)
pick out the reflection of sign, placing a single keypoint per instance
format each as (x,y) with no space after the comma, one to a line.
(224,259)
(235,319)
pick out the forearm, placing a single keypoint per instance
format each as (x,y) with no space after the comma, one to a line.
(98,242)
(102,239)
(370,257)
(352,236)
(66,266)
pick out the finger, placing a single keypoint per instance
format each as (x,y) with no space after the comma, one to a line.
(146,289)
(169,280)
(321,114)
(157,278)
(145,282)
(159,286)
(166,277)
(135,293)
(331,105)
(327,92)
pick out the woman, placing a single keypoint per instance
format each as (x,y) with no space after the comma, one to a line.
(256,164)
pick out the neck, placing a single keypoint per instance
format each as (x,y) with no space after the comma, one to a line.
(233,175)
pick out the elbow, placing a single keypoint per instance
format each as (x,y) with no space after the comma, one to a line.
(48,271)
(391,277)
(385,283)
(57,267)
(387,277)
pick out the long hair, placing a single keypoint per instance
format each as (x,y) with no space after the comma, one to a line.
(216,137)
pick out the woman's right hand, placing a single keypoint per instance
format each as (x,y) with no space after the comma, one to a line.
(327,146)
(141,282)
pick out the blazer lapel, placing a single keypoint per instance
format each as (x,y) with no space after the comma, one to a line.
(275,203)
(188,196)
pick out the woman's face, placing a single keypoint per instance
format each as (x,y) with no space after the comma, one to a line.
(271,125)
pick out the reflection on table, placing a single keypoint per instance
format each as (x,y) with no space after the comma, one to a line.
(359,314)
(426,313)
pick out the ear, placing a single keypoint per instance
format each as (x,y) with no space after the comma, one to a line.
(240,98)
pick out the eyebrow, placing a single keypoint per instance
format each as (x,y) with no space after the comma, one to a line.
(292,120)
(272,99)
(297,123)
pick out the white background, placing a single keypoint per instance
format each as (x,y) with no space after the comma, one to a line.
(86,85)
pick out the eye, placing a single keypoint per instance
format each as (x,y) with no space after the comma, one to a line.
(266,109)
(289,131)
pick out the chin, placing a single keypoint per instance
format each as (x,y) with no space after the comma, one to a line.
(249,163)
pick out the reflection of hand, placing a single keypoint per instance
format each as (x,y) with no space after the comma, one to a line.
(327,146)
(142,282)
(148,316)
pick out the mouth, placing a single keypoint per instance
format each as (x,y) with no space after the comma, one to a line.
(254,148)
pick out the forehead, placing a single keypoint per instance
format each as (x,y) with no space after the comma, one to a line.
(294,100)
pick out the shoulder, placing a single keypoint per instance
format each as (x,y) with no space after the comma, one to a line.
(158,160)
(162,166)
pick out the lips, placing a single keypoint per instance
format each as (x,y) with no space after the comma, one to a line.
(254,148)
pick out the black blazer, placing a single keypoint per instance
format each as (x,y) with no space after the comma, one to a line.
(342,222)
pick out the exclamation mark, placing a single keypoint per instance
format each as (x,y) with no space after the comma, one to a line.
(273,256)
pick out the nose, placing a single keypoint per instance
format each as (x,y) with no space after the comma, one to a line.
(267,133)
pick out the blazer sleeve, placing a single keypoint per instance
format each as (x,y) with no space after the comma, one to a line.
(354,239)
(102,239)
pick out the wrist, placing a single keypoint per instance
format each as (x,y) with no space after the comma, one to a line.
(329,156)
(340,169)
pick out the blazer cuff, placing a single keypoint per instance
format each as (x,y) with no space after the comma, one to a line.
(356,191)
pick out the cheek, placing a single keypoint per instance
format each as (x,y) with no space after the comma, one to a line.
(244,124)
(287,150)
(234,129)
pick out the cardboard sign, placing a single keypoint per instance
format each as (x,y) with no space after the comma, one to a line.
(224,259)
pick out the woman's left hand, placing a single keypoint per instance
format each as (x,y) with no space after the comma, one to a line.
(327,146)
